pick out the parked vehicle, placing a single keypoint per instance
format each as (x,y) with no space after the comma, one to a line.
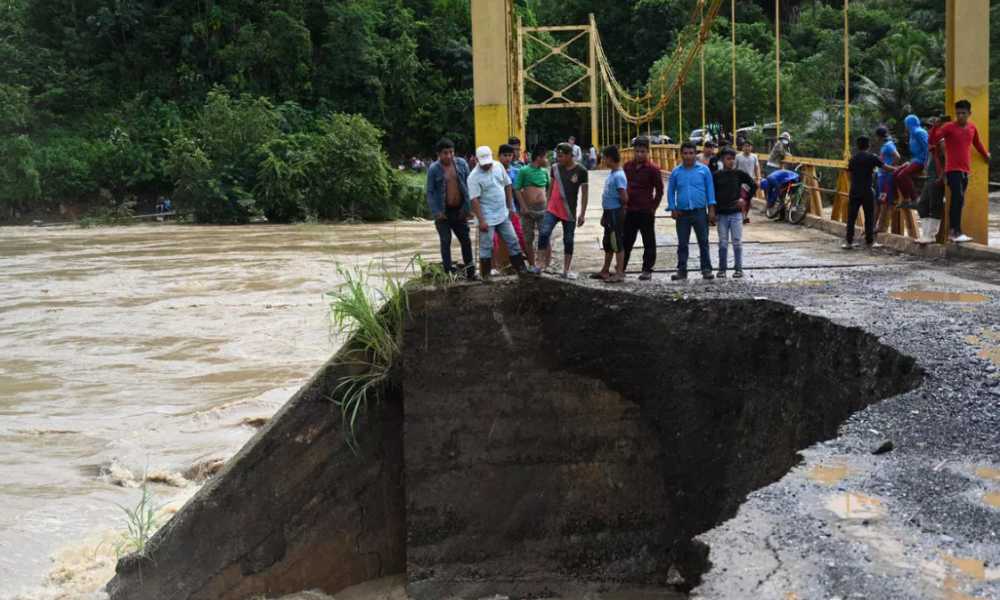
(656,137)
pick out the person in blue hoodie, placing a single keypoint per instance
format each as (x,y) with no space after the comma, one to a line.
(918,148)
(885,192)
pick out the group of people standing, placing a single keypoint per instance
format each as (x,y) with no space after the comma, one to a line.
(510,202)
(944,153)
(515,202)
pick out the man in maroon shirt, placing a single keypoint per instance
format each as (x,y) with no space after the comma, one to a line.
(959,138)
(645,191)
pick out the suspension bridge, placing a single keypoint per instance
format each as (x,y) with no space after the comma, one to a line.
(502,71)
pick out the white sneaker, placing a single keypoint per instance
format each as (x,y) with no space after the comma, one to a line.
(848,246)
(875,245)
(568,275)
(494,272)
(962,239)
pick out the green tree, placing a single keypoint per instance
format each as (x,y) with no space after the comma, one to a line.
(901,86)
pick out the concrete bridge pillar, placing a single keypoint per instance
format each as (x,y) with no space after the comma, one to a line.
(490,65)
(968,77)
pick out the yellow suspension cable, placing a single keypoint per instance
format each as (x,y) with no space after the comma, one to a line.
(615,88)
(663,113)
(704,133)
(604,119)
(847,83)
(777,65)
(619,130)
(649,121)
(680,115)
(732,28)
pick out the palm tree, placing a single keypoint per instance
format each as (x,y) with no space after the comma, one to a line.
(902,85)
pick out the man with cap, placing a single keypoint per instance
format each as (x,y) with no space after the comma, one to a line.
(779,153)
(492,204)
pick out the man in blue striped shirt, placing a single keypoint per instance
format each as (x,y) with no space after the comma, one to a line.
(691,202)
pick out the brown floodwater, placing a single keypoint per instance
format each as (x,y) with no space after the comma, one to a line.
(152,349)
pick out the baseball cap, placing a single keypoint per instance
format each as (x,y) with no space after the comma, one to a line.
(484,155)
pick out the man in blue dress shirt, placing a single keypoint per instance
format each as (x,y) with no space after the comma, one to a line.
(691,202)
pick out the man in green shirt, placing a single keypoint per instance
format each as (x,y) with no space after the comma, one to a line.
(530,189)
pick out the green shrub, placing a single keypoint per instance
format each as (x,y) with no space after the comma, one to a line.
(410,196)
(212,196)
(354,179)
(69,166)
(19,180)
(370,313)
(116,212)
(232,131)
(284,176)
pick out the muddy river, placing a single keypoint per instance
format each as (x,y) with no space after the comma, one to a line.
(151,351)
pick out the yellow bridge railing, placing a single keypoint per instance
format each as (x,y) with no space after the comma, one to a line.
(902,221)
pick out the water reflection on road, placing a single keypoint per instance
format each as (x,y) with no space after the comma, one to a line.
(154,348)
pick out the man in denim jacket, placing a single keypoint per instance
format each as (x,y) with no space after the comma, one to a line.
(448,199)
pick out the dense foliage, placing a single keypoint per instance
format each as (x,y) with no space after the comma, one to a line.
(298,103)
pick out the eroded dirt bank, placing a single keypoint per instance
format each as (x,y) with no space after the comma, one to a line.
(549,440)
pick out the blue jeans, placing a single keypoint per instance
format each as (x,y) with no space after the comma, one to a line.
(507,234)
(453,223)
(730,225)
(549,225)
(697,220)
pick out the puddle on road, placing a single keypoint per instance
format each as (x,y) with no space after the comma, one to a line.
(829,474)
(990,335)
(986,473)
(856,506)
(988,351)
(923,296)
(960,571)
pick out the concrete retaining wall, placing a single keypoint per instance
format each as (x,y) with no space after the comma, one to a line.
(296,509)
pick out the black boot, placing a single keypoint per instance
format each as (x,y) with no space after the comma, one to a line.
(470,273)
(486,264)
(519,264)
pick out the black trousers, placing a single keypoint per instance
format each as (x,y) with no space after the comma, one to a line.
(958,182)
(636,222)
(454,223)
(865,200)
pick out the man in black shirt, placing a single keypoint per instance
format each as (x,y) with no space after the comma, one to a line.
(860,171)
(733,190)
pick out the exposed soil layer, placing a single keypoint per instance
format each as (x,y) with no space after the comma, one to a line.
(561,440)
(556,441)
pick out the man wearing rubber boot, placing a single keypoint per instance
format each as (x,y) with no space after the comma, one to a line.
(492,203)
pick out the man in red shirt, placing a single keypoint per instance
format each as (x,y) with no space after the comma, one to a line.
(959,138)
(645,192)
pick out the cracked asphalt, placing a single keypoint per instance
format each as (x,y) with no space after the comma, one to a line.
(921,521)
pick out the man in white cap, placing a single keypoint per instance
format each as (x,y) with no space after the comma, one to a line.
(492,203)
(779,152)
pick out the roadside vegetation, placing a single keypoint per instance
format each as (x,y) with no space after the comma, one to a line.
(142,521)
(369,309)
(299,105)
